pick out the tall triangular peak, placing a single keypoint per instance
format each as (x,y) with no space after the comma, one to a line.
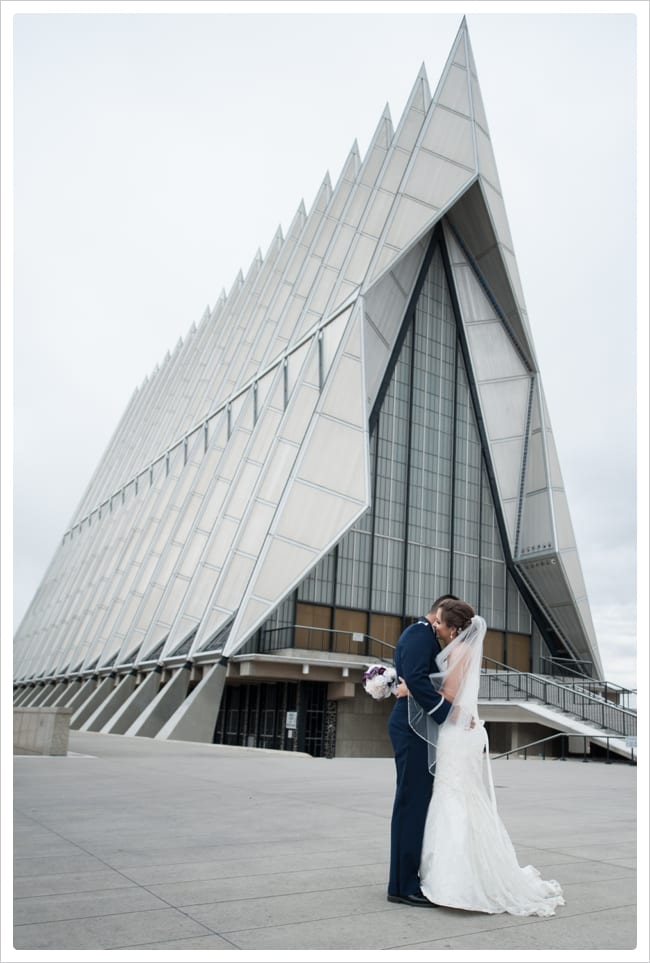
(323,295)
(380,141)
(363,244)
(441,166)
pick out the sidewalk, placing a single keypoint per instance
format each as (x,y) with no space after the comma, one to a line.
(135,844)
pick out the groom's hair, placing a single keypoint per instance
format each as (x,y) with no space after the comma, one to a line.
(438,602)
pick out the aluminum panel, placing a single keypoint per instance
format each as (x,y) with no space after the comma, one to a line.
(536,478)
(240,492)
(409,128)
(510,510)
(202,585)
(455,93)
(377,213)
(344,185)
(343,397)
(331,339)
(137,617)
(172,603)
(507,459)
(335,458)
(319,297)
(283,564)
(212,503)
(268,391)
(535,414)
(235,449)
(486,163)
(241,410)
(359,200)
(515,280)
(477,105)
(433,181)
(536,532)
(231,588)
(361,255)
(504,405)
(553,461)
(385,307)
(573,571)
(193,549)
(277,470)
(300,412)
(564,529)
(306,279)
(250,617)
(547,576)
(451,136)
(340,247)
(409,220)
(376,153)
(294,364)
(254,527)
(387,256)
(498,214)
(493,354)
(391,175)
(474,304)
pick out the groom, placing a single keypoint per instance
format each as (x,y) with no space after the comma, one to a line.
(415,659)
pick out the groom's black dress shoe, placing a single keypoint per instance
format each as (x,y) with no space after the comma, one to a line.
(415,899)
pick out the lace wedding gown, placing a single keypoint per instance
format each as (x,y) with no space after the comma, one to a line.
(468,860)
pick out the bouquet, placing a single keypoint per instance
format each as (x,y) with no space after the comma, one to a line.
(380,681)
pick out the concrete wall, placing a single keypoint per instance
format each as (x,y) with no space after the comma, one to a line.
(195,719)
(42,732)
(107,709)
(162,706)
(361,725)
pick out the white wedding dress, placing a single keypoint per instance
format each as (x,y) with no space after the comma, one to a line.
(468,860)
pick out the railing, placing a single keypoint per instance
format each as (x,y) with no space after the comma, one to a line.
(553,665)
(343,642)
(581,698)
(508,684)
(563,736)
(566,667)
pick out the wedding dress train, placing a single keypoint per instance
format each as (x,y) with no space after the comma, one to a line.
(468,859)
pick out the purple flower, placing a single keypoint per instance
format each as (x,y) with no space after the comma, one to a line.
(380,681)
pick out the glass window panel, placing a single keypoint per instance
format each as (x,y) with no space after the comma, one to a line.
(519,618)
(319,585)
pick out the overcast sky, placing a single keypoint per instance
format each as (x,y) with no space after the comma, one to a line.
(155,154)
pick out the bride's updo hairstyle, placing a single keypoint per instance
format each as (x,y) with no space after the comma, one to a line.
(456,614)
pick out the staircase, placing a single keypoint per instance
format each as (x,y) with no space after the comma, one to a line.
(572,707)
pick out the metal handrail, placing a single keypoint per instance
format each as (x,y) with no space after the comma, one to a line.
(563,736)
(502,682)
(365,641)
(510,683)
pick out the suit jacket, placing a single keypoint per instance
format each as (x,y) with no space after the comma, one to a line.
(415,660)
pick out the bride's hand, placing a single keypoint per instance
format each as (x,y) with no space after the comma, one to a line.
(402,689)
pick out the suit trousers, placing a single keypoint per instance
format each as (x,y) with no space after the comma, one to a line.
(412,797)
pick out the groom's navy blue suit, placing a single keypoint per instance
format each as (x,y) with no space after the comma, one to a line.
(415,659)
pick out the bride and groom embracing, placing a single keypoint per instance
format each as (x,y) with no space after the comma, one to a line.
(449,846)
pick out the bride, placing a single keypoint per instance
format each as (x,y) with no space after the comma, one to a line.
(468,860)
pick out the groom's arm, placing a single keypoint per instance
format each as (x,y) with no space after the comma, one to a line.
(414,663)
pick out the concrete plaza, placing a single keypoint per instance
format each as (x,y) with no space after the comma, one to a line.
(135,844)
